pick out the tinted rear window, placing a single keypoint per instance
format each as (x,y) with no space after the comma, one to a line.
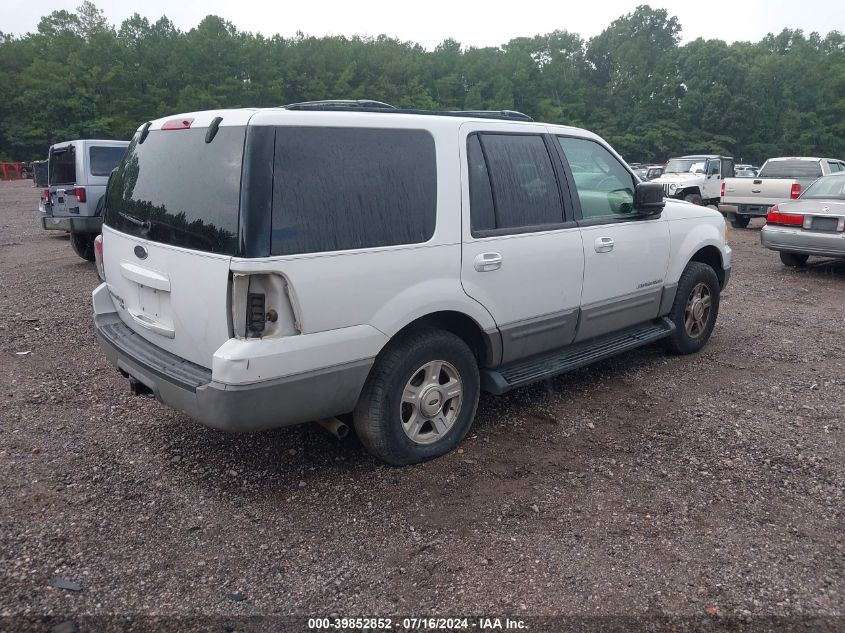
(103,159)
(177,189)
(350,188)
(62,166)
(791,169)
(523,185)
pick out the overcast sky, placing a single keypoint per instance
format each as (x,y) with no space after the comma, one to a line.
(488,23)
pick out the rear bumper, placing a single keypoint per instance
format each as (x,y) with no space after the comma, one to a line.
(74,225)
(239,408)
(756,210)
(796,240)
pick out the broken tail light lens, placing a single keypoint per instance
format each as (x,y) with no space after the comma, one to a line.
(98,256)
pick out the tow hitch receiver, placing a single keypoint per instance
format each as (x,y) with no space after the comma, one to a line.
(138,388)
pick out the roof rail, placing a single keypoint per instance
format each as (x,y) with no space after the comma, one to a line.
(338,103)
(367,105)
(493,114)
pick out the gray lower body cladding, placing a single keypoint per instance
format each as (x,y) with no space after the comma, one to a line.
(240,408)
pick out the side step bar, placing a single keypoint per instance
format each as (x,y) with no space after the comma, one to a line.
(523,372)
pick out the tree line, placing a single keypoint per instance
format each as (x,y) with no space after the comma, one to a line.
(78,76)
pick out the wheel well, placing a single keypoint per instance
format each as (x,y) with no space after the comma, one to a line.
(711,256)
(462,326)
(688,191)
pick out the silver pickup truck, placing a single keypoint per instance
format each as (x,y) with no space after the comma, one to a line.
(779,180)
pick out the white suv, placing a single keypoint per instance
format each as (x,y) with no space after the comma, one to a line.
(268,267)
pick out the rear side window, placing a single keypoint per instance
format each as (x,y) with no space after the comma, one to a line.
(351,188)
(512,184)
(791,169)
(174,188)
(102,160)
(62,166)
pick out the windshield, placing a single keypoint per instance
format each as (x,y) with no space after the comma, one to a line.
(791,169)
(176,189)
(829,187)
(683,165)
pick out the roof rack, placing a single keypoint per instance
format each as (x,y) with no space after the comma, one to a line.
(328,104)
(367,105)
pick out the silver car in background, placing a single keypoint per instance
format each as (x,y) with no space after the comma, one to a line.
(814,224)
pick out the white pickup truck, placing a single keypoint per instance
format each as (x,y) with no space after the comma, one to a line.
(779,180)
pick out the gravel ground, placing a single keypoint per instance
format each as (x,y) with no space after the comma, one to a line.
(708,485)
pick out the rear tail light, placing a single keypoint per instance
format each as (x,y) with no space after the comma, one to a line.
(98,256)
(795,191)
(787,219)
(261,306)
(79,192)
(722,191)
(47,196)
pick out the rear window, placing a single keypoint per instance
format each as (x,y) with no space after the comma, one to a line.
(791,169)
(103,159)
(829,187)
(176,189)
(351,188)
(62,165)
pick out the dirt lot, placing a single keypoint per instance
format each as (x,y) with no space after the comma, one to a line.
(702,485)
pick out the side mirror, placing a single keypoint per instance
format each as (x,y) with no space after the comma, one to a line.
(649,198)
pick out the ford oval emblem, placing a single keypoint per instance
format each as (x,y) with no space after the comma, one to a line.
(141,252)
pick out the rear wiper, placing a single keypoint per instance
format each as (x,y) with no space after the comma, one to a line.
(146,225)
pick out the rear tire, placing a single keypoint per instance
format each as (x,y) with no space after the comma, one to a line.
(693,197)
(740,221)
(406,413)
(695,309)
(794,260)
(83,245)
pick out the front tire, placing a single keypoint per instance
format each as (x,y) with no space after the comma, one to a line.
(693,197)
(420,398)
(695,309)
(794,260)
(83,245)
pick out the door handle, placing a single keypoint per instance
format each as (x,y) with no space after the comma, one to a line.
(486,262)
(604,244)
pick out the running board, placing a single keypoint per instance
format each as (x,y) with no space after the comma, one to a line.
(571,357)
